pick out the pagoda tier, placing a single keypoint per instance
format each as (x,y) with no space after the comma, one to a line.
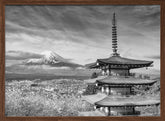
(124,106)
(118,85)
(113,85)
(117,105)
(117,65)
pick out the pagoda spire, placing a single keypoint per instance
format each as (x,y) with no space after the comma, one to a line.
(114,36)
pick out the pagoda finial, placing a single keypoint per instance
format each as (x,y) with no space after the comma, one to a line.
(114,36)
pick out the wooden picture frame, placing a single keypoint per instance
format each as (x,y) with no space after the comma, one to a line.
(79,2)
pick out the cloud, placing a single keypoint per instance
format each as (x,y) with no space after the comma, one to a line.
(154,57)
(20,55)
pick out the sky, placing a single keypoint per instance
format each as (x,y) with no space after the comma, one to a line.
(82,33)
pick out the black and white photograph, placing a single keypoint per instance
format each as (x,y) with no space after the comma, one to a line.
(82,60)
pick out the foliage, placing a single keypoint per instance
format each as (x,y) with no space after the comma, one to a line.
(94,75)
(90,90)
(25,99)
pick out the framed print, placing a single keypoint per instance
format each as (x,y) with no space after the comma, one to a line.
(82,60)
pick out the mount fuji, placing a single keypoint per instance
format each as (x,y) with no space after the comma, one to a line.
(52,59)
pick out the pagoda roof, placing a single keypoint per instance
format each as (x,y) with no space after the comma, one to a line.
(118,60)
(122,80)
(128,101)
(94,98)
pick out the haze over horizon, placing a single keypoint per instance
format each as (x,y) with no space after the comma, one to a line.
(82,34)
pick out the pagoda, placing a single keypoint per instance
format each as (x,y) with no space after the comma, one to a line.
(115,87)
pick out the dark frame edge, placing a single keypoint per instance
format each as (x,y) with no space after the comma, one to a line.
(80,2)
(162,61)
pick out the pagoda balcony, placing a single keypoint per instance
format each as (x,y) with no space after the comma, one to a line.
(124,75)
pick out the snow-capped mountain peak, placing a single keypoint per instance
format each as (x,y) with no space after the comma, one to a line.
(52,57)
